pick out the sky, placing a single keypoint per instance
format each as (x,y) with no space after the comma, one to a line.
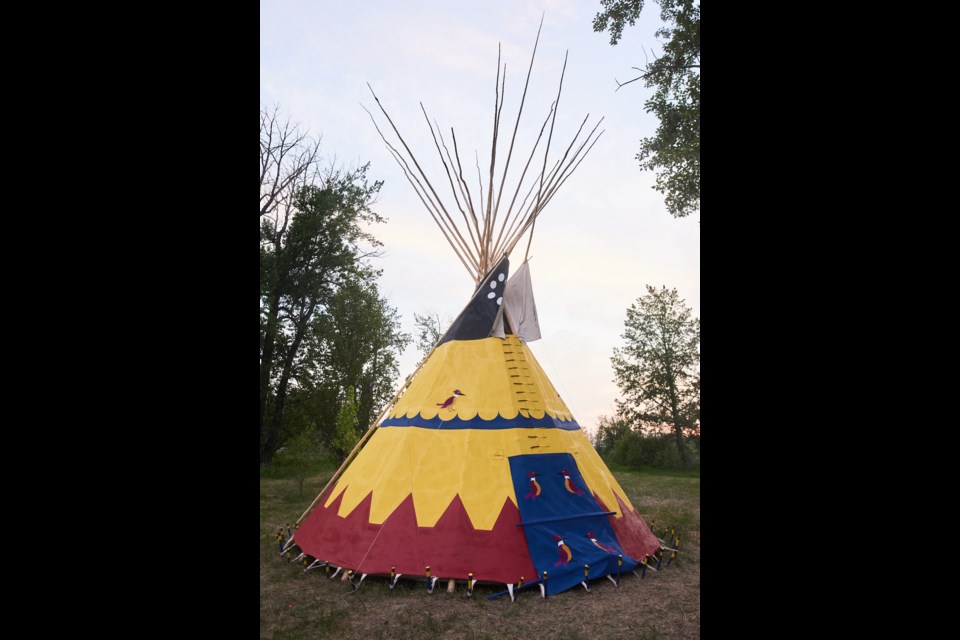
(603,237)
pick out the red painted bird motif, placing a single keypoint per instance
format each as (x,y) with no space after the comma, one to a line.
(599,544)
(448,403)
(534,486)
(570,484)
(565,554)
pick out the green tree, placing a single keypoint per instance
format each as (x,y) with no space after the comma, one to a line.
(673,152)
(609,432)
(299,454)
(658,369)
(355,341)
(311,240)
(429,330)
(345,435)
(359,343)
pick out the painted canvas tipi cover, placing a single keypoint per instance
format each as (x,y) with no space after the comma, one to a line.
(479,467)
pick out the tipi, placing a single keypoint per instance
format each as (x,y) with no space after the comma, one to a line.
(477,470)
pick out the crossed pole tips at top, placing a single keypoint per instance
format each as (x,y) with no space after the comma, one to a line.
(480,236)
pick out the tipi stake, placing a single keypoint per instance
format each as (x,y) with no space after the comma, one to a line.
(315,564)
(430,581)
(356,585)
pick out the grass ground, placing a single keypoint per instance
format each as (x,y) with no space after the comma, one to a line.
(296,605)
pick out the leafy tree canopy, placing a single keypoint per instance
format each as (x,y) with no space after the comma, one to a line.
(673,152)
(658,368)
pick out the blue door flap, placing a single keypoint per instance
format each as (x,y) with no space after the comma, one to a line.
(568,532)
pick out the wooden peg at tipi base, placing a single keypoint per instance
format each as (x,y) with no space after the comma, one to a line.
(313,565)
(451,585)
(643,568)
(672,556)
(616,581)
(675,550)
(356,585)
(394,576)
(431,580)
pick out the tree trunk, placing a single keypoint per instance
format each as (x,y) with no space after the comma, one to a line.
(266,363)
(677,426)
(365,406)
(280,398)
(273,427)
(681,449)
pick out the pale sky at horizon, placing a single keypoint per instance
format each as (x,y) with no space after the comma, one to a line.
(603,236)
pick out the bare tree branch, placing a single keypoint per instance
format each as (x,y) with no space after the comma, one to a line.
(288,159)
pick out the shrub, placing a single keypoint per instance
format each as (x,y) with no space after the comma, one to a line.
(636,450)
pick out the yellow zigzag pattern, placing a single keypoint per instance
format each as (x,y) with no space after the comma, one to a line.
(436,465)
